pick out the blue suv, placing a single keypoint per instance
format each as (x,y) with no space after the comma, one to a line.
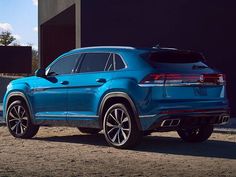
(126,92)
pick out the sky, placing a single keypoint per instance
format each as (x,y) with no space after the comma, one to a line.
(20,17)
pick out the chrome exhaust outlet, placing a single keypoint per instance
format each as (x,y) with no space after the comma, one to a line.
(170,123)
(223,119)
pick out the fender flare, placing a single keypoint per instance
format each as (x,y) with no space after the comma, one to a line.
(115,95)
(22,95)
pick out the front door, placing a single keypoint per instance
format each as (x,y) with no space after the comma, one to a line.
(50,94)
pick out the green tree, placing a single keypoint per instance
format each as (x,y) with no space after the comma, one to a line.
(35,60)
(6,38)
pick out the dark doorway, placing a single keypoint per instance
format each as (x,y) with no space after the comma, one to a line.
(203,26)
(57,36)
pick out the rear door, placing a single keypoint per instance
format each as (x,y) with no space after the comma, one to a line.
(92,78)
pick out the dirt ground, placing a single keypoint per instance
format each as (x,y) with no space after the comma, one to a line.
(67,152)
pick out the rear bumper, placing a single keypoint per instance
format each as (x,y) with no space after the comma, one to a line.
(176,119)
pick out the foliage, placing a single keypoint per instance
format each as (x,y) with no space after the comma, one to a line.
(35,60)
(6,38)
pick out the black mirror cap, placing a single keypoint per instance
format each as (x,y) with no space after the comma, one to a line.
(40,72)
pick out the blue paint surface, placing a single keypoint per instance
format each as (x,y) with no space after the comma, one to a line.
(80,99)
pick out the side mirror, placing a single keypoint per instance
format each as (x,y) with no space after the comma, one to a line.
(40,73)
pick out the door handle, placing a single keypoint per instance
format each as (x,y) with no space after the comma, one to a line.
(101,80)
(64,82)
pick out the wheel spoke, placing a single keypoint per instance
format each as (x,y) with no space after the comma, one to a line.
(122,115)
(23,125)
(13,127)
(126,119)
(24,118)
(13,120)
(21,128)
(109,124)
(114,118)
(23,113)
(16,112)
(115,136)
(123,133)
(125,129)
(12,115)
(118,136)
(116,114)
(17,127)
(111,130)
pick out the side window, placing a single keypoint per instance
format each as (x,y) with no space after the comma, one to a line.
(119,62)
(94,62)
(64,65)
(110,63)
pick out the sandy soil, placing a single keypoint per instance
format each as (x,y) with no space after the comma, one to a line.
(67,152)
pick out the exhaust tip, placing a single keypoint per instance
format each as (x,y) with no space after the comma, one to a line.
(223,119)
(170,123)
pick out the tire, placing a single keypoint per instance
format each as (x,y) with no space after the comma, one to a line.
(147,133)
(120,129)
(19,122)
(196,135)
(89,130)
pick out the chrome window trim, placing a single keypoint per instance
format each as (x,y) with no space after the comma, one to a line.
(82,115)
(66,115)
(51,115)
(147,116)
(83,53)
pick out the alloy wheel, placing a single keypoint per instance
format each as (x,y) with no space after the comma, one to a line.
(18,120)
(117,126)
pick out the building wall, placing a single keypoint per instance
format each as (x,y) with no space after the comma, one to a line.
(48,9)
(200,25)
(15,59)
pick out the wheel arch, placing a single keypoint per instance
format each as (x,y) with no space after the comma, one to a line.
(117,97)
(13,96)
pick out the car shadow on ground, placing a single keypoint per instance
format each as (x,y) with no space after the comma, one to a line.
(165,145)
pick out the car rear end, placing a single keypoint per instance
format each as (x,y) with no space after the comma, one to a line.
(185,92)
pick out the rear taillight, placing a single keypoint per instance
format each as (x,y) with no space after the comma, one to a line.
(183,79)
(214,78)
(154,79)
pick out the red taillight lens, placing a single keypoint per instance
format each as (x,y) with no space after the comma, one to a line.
(214,78)
(178,79)
(181,78)
(154,79)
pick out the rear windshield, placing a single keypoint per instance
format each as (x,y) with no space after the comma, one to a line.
(175,57)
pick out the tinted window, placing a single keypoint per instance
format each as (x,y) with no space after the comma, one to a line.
(175,57)
(110,63)
(93,62)
(119,62)
(64,65)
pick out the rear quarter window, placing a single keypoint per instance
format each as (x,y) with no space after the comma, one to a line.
(119,62)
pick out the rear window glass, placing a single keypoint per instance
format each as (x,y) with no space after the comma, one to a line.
(175,57)
(94,62)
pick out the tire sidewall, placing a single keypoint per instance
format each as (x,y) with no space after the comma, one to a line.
(19,103)
(133,127)
(204,133)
